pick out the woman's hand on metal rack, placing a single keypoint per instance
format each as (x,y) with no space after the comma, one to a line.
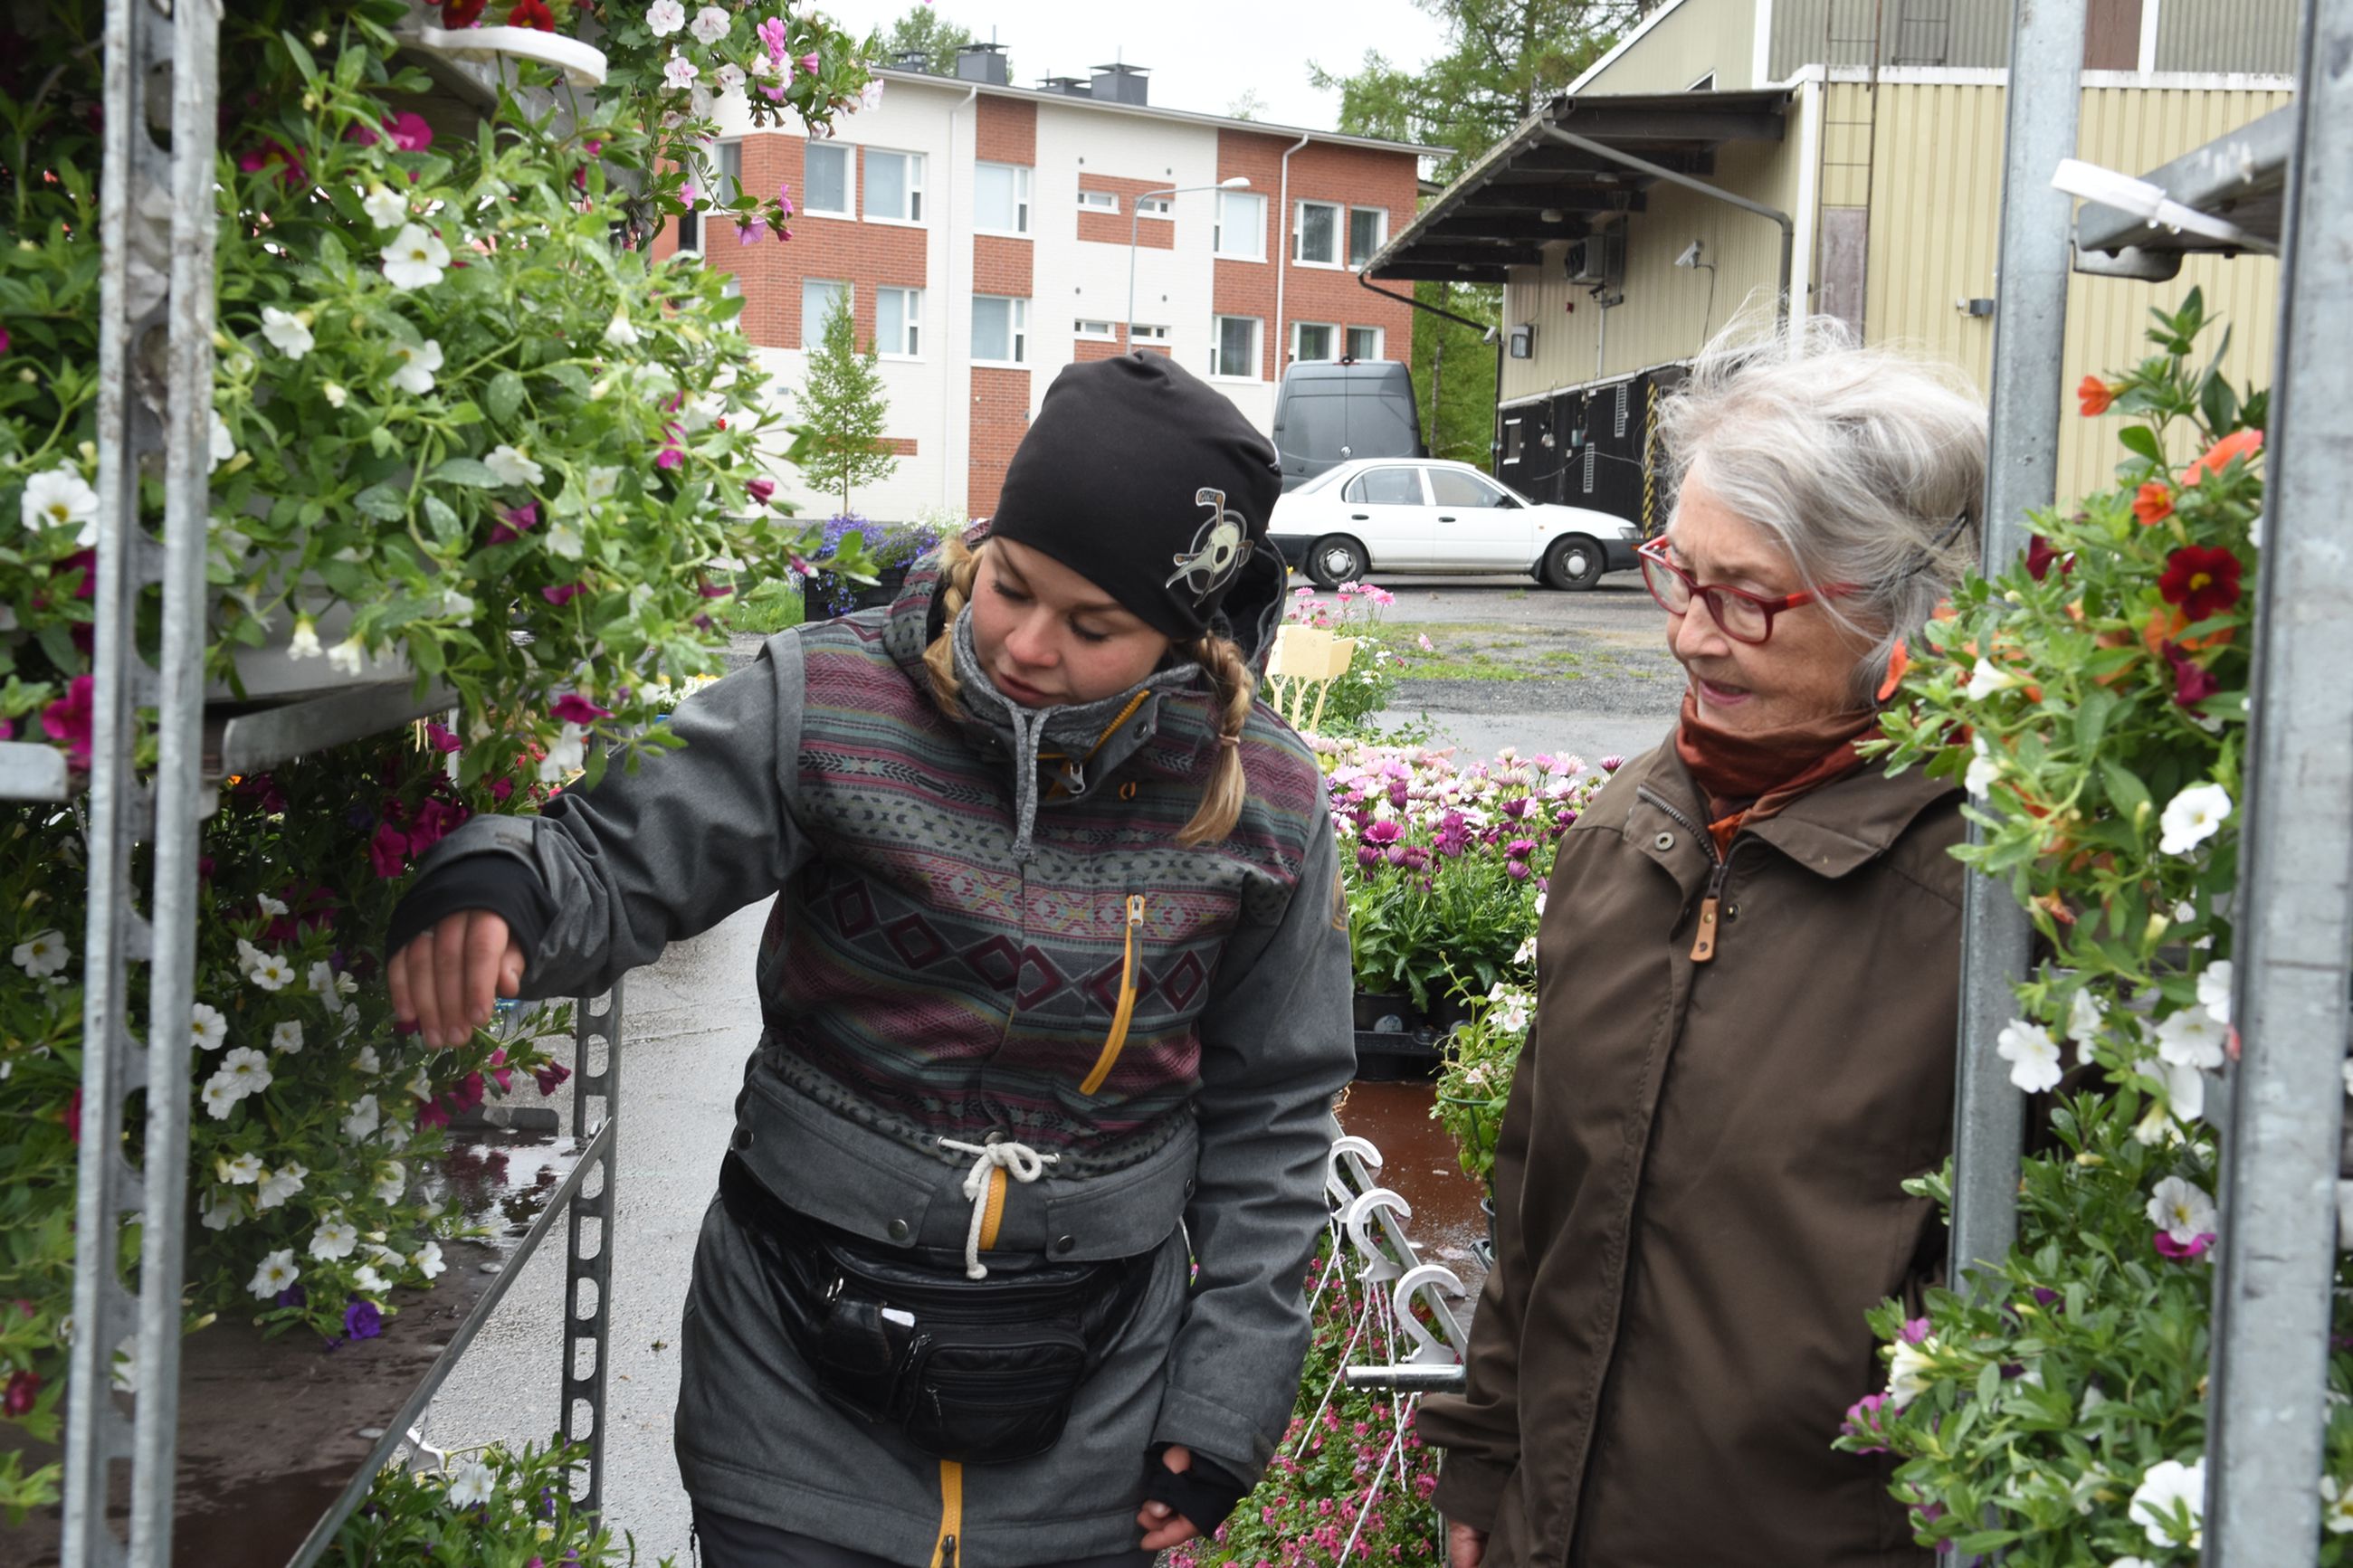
(445,981)
(1163,1526)
(1465,1547)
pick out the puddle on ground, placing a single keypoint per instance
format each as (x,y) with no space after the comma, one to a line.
(1419,1163)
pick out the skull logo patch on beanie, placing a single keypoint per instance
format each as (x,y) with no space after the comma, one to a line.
(1112,480)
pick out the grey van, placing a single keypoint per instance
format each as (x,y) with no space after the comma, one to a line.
(1329,411)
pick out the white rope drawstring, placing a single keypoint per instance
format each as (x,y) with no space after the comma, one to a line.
(1019,1160)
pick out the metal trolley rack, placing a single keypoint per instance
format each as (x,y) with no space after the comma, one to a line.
(2287,179)
(285,1451)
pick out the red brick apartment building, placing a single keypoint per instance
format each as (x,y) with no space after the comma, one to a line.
(988,234)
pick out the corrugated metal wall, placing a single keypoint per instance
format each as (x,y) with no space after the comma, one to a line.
(1935,229)
(1911,33)
(2225,34)
(1695,37)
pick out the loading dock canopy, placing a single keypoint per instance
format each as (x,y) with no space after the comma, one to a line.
(1529,189)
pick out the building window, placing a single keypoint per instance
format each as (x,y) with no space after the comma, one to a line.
(1365,342)
(1000,198)
(1240,232)
(894,186)
(1704,84)
(899,322)
(1311,340)
(1368,229)
(1316,241)
(1140,334)
(1095,332)
(1513,439)
(1098,201)
(826,182)
(727,174)
(717,180)
(820,300)
(1234,350)
(1155,207)
(1000,329)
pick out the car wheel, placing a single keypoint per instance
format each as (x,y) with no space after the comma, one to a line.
(1334,559)
(1575,562)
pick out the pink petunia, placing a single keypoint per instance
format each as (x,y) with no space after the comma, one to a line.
(2183,1251)
(431,1114)
(760,490)
(785,198)
(388,850)
(772,33)
(574,709)
(467,1096)
(502,1074)
(550,1077)
(515,522)
(563,594)
(670,456)
(713,590)
(808,62)
(4,340)
(68,719)
(409,133)
(438,737)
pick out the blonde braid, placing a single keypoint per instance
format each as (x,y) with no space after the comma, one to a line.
(959,564)
(1233,690)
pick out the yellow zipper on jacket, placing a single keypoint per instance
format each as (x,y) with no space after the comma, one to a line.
(943,1552)
(1117,1040)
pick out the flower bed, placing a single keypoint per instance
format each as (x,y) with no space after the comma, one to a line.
(2092,700)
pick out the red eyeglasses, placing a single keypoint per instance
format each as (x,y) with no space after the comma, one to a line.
(1744,616)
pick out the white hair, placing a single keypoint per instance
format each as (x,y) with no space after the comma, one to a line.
(1867,465)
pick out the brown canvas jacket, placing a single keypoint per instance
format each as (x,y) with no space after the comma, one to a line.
(1698,1183)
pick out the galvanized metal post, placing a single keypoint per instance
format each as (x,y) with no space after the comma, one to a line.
(588,1267)
(2046,56)
(2295,941)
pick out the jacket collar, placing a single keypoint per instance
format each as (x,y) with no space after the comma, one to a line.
(1831,830)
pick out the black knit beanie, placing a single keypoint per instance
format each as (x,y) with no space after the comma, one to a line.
(1146,482)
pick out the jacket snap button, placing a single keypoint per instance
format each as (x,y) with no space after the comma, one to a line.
(743,1138)
(1062,1244)
(1732,911)
(898,1228)
(1663,841)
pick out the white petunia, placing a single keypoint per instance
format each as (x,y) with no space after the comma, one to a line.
(415,258)
(1526,951)
(1986,679)
(277,1273)
(711,25)
(287,333)
(2191,1037)
(869,97)
(392,1182)
(60,498)
(222,1211)
(2166,1492)
(620,332)
(280,1185)
(336,1238)
(427,1261)
(420,1086)
(220,1096)
(386,207)
(335,394)
(247,1068)
(565,756)
(207,1030)
(564,540)
(2192,818)
(367,1061)
(417,363)
(679,72)
(2214,990)
(727,77)
(473,1485)
(1908,1368)
(2185,1089)
(322,977)
(271,973)
(2033,1054)
(1984,769)
(368,1282)
(348,656)
(224,444)
(365,1115)
(287,1036)
(242,1172)
(2083,1017)
(41,954)
(2182,1211)
(269,906)
(604,483)
(511,467)
(664,17)
(457,606)
(2335,1506)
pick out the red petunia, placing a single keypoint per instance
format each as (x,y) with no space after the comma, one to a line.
(532,14)
(2040,557)
(2218,457)
(461,12)
(2202,579)
(574,709)
(2153,503)
(388,850)
(2095,395)
(2193,681)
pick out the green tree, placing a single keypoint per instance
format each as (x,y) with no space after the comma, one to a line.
(1504,59)
(922,28)
(842,410)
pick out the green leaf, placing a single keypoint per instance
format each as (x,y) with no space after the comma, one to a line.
(382,502)
(504,396)
(443,521)
(2092,720)
(2126,792)
(2220,404)
(466,413)
(2141,440)
(464,472)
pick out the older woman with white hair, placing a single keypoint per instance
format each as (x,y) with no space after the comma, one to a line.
(1748,997)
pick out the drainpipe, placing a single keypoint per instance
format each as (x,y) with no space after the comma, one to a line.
(1788,228)
(948,404)
(1282,253)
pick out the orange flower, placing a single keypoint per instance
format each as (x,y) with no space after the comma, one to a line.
(2094,395)
(2166,623)
(2237,444)
(2154,503)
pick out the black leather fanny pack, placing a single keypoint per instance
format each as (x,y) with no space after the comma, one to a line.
(977,1371)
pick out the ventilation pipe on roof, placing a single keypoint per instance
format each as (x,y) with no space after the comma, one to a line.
(1788,228)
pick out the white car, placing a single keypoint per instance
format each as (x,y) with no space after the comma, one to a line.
(1409,514)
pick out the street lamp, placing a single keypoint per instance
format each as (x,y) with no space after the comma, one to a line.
(1136,215)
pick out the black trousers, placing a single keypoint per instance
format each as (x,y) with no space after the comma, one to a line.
(726,1542)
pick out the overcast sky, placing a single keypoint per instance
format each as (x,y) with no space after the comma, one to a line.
(1204,55)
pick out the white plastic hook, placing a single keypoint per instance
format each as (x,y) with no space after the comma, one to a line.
(1380,1265)
(1428,1348)
(1335,1175)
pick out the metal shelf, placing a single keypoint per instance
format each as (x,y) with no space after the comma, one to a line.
(2240,176)
(263,735)
(32,771)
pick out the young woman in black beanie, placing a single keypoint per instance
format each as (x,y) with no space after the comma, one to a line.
(1004,1270)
